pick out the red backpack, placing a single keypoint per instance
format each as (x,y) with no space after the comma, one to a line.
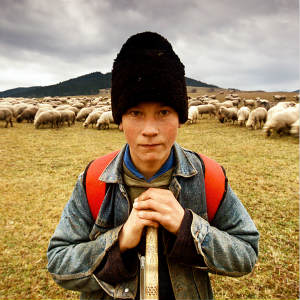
(95,189)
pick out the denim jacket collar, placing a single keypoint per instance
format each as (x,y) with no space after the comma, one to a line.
(183,166)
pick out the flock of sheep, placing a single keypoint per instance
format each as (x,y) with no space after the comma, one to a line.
(277,116)
(55,112)
(272,116)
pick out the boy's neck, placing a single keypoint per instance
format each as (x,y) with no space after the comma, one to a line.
(148,170)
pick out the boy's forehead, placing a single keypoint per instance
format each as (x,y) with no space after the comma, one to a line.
(150,103)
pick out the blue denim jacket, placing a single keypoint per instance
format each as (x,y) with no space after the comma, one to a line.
(229,244)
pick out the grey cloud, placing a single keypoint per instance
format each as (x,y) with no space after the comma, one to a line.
(213,38)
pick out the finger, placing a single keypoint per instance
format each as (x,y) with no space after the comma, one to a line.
(142,197)
(150,223)
(149,204)
(149,215)
(150,193)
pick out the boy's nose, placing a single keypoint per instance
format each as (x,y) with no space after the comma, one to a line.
(150,128)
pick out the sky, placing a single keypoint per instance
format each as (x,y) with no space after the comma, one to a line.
(242,44)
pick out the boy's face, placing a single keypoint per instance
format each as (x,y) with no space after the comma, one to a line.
(150,129)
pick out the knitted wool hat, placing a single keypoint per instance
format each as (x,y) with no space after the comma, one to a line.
(147,69)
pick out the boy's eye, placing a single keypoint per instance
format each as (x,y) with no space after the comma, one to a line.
(134,113)
(164,112)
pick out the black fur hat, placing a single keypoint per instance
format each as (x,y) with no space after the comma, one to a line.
(147,69)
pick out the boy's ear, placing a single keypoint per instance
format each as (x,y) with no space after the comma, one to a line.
(121,126)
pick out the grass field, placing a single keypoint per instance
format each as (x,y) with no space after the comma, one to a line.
(39,169)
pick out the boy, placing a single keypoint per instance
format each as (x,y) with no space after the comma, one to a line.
(154,182)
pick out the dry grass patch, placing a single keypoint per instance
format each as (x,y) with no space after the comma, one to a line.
(40,167)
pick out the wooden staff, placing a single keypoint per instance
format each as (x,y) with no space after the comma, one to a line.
(151,264)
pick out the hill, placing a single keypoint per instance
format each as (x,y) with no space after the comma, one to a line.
(88,84)
(16,91)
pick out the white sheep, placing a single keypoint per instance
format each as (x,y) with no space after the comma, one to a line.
(251,103)
(44,105)
(226,114)
(294,131)
(227,104)
(206,109)
(27,114)
(257,116)
(192,115)
(194,102)
(296,97)
(67,116)
(51,117)
(243,115)
(6,115)
(104,120)
(62,107)
(263,103)
(40,110)
(92,118)
(279,107)
(279,97)
(83,113)
(18,108)
(282,121)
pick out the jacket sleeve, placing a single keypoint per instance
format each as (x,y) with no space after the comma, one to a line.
(72,256)
(182,247)
(229,245)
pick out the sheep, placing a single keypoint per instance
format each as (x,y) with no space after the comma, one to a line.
(195,103)
(63,107)
(44,105)
(225,114)
(263,103)
(294,131)
(6,115)
(74,109)
(206,109)
(251,103)
(236,101)
(78,105)
(286,104)
(282,121)
(279,97)
(192,114)
(213,101)
(227,104)
(258,115)
(67,116)
(279,107)
(296,97)
(19,108)
(243,115)
(27,114)
(83,113)
(48,117)
(40,110)
(104,120)
(92,118)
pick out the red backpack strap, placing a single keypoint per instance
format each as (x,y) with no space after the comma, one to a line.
(94,188)
(215,185)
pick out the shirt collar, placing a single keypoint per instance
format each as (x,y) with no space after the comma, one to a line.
(129,164)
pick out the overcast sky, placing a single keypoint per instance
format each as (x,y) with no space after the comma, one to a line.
(244,44)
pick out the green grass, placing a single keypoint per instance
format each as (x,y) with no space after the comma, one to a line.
(40,167)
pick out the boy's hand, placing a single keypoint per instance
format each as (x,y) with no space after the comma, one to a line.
(160,206)
(131,233)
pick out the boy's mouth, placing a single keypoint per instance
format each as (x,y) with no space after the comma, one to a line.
(149,145)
